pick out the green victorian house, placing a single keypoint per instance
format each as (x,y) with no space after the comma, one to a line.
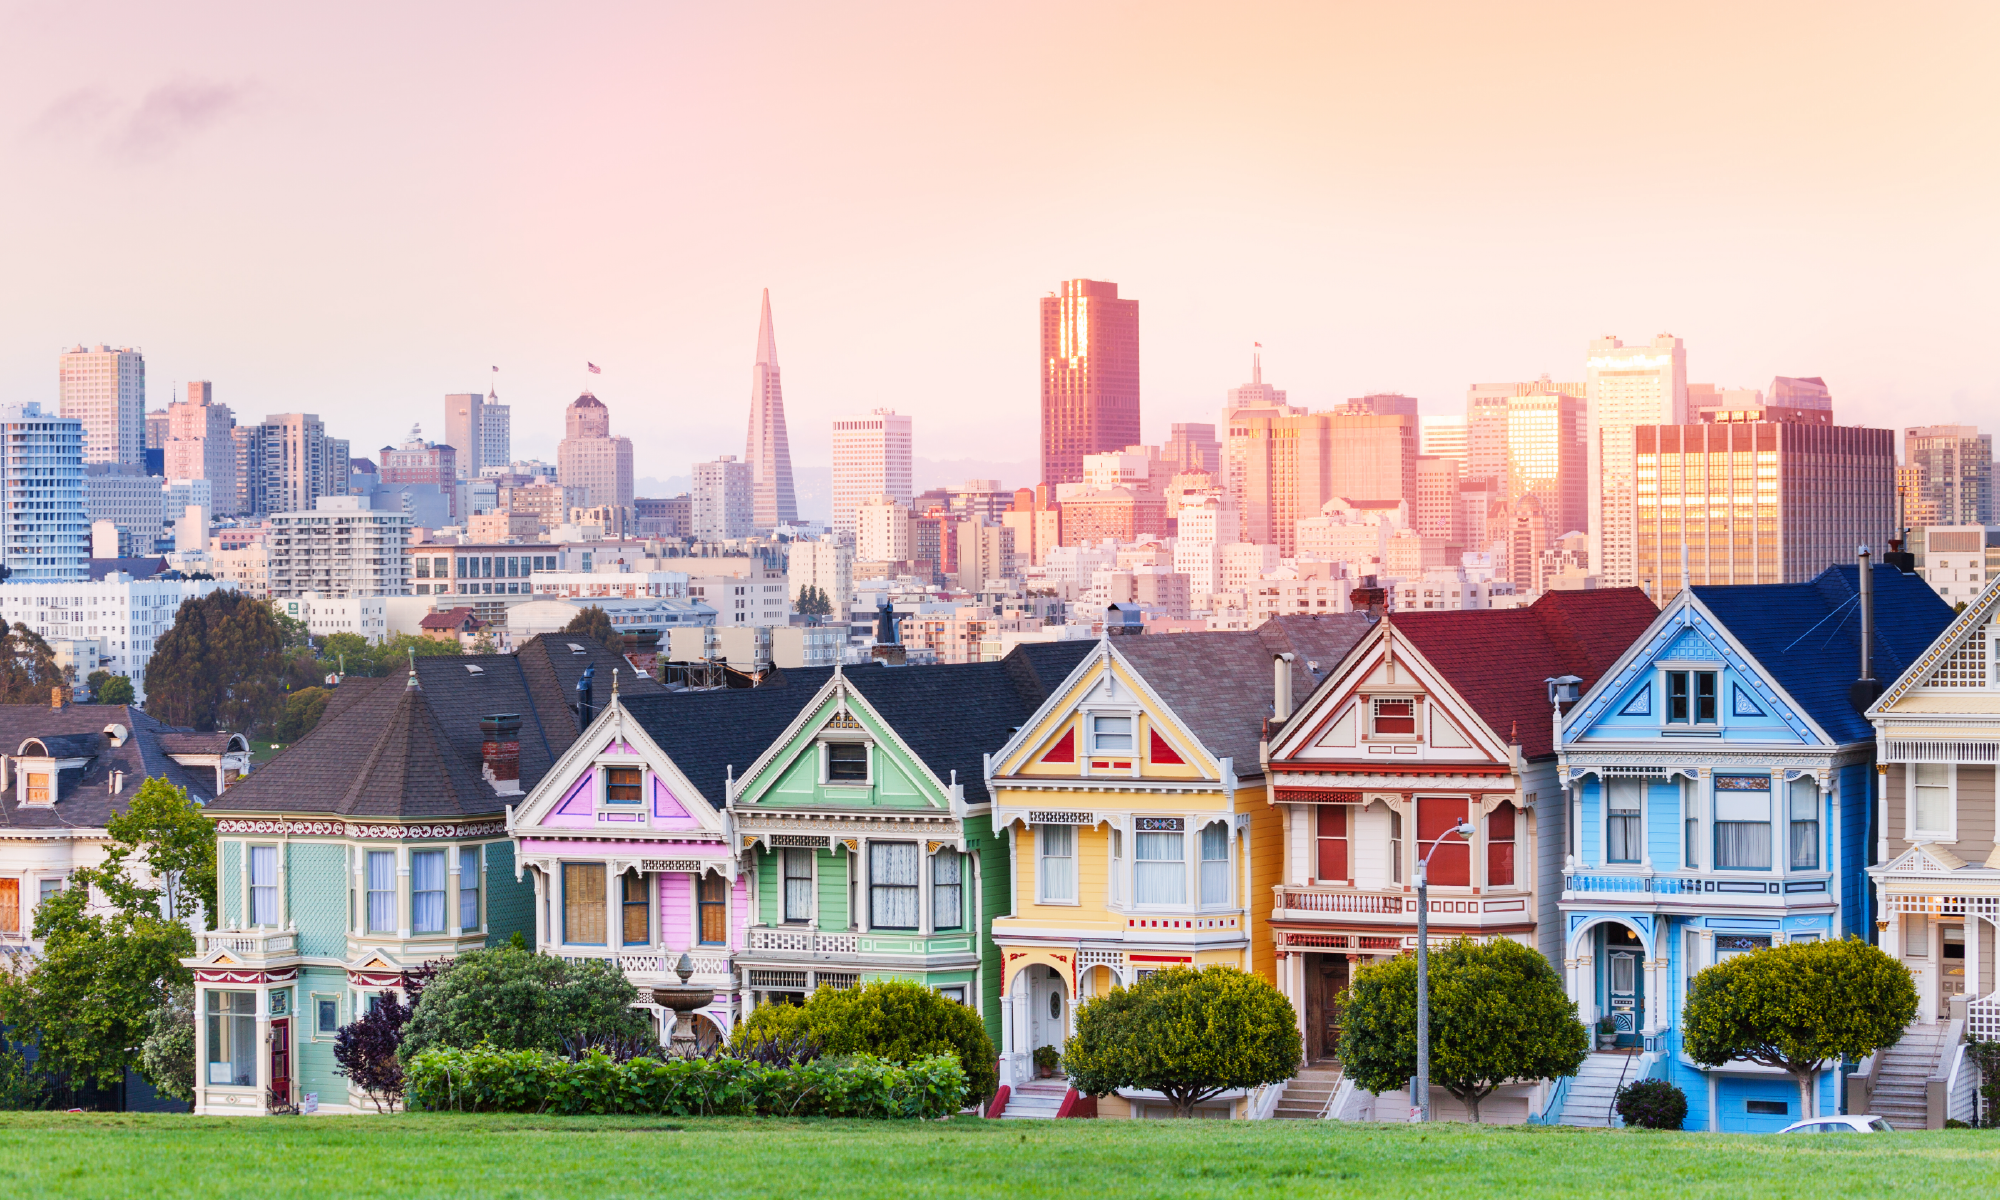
(374,844)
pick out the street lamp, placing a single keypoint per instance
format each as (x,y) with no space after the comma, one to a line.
(1420,1095)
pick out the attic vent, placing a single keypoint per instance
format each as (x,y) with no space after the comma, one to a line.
(576,649)
(474,669)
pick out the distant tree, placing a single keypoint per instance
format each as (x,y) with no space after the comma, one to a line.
(221,665)
(294,631)
(28,669)
(1186,1034)
(595,623)
(813,603)
(348,654)
(483,644)
(106,688)
(1798,1007)
(303,710)
(1498,1012)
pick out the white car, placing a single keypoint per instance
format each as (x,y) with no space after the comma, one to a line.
(1857,1124)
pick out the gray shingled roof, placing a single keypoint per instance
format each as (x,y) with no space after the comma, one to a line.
(83,797)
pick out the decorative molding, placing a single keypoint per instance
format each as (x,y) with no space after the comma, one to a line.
(800,841)
(842,720)
(1161,824)
(671,864)
(1053,817)
(285,828)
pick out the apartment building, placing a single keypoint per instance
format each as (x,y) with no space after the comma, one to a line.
(338,549)
(118,619)
(366,616)
(104,390)
(44,526)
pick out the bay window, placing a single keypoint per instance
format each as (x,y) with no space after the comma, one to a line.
(1451,862)
(1743,822)
(232,1038)
(947,892)
(427,891)
(1395,846)
(1159,862)
(1330,832)
(263,885)
(1057,868)
(1804,796)
(468,888)
(1215,887)
(583,903)
(1500,845)
(1622,831)
(798,875)
(892,885)
(381,891)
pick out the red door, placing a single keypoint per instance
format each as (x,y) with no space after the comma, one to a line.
(281,1061)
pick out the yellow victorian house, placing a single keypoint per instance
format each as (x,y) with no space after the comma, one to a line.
(1133,803)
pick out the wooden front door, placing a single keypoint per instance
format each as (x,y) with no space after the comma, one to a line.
(1330,980)
(281,1060)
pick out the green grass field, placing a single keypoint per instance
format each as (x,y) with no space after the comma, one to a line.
(53,1154)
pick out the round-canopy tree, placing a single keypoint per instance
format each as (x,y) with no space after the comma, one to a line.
(595,624)
(1498,1012)
(1186,1034)
(897,1020)
(1798,1007)
(520,1000)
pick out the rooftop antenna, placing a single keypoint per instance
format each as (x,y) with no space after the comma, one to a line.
(1256,363)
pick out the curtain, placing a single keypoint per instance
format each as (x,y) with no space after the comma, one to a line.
(263,885)
(1931,783)
(714,910)
(947,894)
(1622,832)
(427,891)
(798,885)
(892,885)
(1743,845)
(468,887)
(583,903)
(1058,862)
(1159,871)
(381,891)
(1215,864)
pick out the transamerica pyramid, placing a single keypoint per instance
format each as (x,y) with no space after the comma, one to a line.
(767,450)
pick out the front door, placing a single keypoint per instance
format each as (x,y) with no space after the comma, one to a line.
(1951,964)
(1624,984)
(281,1060)
(1331,979)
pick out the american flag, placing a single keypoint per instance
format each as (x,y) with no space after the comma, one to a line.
(593,368)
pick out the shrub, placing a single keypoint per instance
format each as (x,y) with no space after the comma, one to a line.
(1186,1034)
(518,1000)
(1651,1104)
(1047,1058)
(365,1051)
(1986,1056)
(486,1079)
(891,1019)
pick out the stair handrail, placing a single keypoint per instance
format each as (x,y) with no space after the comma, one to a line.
(1333,1098)
(1343,1091)
(1558,1096)
(1612,1111)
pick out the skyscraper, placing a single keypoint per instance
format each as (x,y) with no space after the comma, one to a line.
(496,433)
(1285,465)
(1955,466)
(1545,457)
(200,446)
(286,463)
(1192,447)
(590,459)
(871,457)
(1090,376)
(767,449)
(723,500)
(464,431)
(106,390)
(44,531)
(1627,386)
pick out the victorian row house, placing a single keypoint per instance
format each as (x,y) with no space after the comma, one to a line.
(1720,781)
(1433,720)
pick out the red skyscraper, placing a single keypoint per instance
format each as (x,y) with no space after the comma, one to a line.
(1090,376)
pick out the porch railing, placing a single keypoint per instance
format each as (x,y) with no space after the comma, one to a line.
(254,943)
(1316,900)
(802,941)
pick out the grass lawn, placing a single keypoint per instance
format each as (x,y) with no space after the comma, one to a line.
(53,1154)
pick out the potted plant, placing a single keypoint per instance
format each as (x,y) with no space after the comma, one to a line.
(1046,1059)
(1607,1032)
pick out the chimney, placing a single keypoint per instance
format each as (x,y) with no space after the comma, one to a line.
(1370,599)
(56,697)
(500,752)
(1281,686)
(1865,689)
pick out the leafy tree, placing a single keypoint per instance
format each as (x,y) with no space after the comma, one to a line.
(595,623)
(115,690)
(367,1050)
(395,651)
(295,633)
(347,654)
(1184,1033)
(166,1057)
(28,667)
(167,828)
(303,709)
(1498,1012)
(483,644)
(220,666)
(813,602)
(1798,1007)
(896,1020)
(519,1000)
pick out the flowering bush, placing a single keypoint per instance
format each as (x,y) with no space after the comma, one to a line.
(485,1079)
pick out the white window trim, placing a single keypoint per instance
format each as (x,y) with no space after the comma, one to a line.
(826,778)
(313,999)
(1229,856)
(1190,834)
(1910,831)
(604,784)
(1041,876)
(1691,669)
(1090,721)
(811,919)
(1417,716)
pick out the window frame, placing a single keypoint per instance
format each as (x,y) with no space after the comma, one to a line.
(702,903)
(471,866)
(316,999)
(787,855)
(878,890)
(1180,832)
(250,856)
(638,784)
(231,1018)
(1130,733)
(627,903)
(441,891)
(369,891)
(1202,862)
(827,776)
(1632,820)
(603,900)
(1494,846)
(1769,825)
(1376,704)
(1043,857)
(941,888)
(1321,838)
(1792,824)
(1913,832)
(1690,699)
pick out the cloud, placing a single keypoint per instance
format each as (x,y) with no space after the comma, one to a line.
(82,111)
(171,113)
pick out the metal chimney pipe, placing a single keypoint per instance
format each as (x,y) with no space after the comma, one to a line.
(1867,611)
(1281,682)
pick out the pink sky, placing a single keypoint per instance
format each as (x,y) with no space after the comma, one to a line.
(355,209)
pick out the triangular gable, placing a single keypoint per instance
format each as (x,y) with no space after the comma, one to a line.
(566,800)
(1104,677)
(1960,660)
(1331,724)
(1926,858)
(786,775)
(1685,631)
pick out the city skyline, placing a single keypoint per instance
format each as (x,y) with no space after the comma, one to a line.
(253,257)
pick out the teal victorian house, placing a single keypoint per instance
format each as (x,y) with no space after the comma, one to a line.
(374,844)
(1720,789)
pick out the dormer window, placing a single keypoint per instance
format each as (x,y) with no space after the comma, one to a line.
(846,762)
(621,785)
(1111,735)
(1397,718)
(37,785)
(1691,697)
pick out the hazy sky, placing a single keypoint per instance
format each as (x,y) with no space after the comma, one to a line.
(354,209)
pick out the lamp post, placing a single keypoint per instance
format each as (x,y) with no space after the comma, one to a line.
(1420,1099)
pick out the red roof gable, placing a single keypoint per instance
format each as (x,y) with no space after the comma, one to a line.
(1498,658)
(451,618)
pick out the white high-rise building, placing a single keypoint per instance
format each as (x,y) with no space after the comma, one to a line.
(339,548)
(722,500)
(871,457)
(1625,387)
(827,565)
(496,434)
(1442,437)
(106,390)
(112,623)
(44,529)
(882,531)
(1207,524)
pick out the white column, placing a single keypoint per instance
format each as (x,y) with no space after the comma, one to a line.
(454,884)
(200,1047)
(1971,957)
(1645,823)
(403,891)
(1714,1105)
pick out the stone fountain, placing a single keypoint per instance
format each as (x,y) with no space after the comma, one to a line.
(684,1000)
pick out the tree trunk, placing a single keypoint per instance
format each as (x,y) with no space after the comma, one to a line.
(1472,1103)
(1806,1078)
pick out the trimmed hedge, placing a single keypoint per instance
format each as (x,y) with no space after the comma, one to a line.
(484,1079)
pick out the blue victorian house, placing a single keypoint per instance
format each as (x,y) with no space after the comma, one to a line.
(1721,800)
